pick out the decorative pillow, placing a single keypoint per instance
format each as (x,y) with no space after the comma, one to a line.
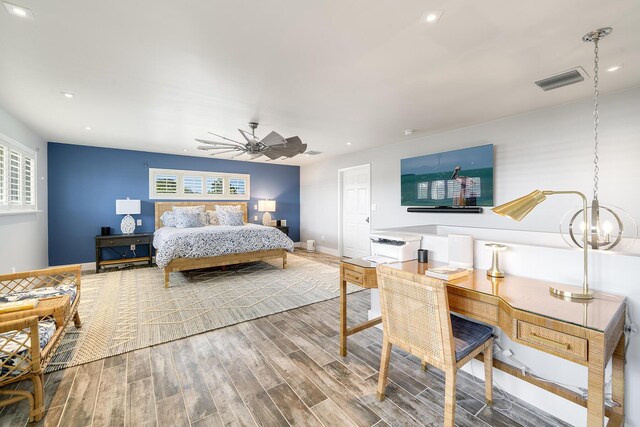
(212,217)
(230,217)
(168,219)
(199,208)
(226,208)
(188,219)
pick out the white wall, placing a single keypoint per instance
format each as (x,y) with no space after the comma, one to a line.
(23,237)
(545,149)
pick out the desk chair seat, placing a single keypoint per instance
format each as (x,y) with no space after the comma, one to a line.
(416,318)
(468,335)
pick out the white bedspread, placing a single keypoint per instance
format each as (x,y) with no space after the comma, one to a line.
(214,240)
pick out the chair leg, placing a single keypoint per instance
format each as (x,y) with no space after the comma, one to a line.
(488,372)
(38,394)
(76,320)
(384,368)
(450,398)
(423,365)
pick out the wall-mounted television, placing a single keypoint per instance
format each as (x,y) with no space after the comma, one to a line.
(453,178)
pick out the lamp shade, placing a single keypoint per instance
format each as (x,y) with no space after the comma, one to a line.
(266,205)
(519,208)
(127,207)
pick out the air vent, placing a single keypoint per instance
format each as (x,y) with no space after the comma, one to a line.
(566,78)
(313,153)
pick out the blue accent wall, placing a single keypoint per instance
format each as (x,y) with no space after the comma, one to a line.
(84,183)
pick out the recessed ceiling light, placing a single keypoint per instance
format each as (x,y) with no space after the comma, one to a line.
(431,16)
(184,149)
(67,95)
(408,131)
(18,11)
(348,143)
(614,68)
(87,128)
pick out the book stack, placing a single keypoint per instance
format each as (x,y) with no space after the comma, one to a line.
(448,272)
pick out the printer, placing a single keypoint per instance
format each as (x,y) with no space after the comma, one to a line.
(399,246)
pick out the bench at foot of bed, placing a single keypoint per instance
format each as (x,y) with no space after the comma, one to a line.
(184,264)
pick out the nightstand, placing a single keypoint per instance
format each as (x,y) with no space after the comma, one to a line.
(283,228)
(122,240)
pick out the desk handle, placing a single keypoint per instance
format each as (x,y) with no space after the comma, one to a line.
(550,342)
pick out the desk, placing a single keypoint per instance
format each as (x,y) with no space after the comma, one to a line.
(588,333)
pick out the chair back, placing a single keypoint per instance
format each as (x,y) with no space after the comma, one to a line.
(415,315)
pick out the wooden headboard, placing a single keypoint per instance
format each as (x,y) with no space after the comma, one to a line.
(162,207)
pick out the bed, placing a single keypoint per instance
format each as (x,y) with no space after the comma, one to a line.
(182,249)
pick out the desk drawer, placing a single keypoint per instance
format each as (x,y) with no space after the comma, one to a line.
(352,276)
(477,309)
(548,339)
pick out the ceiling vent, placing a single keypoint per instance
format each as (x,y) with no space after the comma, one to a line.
(313,153)
(566,78)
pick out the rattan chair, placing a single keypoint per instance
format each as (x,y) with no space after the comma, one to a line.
(25,352)
(416,318)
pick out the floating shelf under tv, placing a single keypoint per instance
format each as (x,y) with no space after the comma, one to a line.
(445,209)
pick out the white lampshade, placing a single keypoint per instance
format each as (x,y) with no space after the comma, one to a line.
(266,205)
(127,207)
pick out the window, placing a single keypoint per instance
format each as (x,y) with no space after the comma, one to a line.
(3,192)
(192,184)
(17,176)
(28,181)
(199,185)
(423,190)
(166,184)
(215,185)
(237,186)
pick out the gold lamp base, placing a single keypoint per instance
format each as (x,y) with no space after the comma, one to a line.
(568,295)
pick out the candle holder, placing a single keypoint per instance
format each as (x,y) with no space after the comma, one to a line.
(495,271)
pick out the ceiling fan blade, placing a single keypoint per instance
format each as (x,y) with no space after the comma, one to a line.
(207,148)
(221,144)
(275,152)
(273,139)
(225,138)
(249,137)
(238,155)
(223,152)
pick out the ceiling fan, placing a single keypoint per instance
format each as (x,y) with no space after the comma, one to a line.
(273,146)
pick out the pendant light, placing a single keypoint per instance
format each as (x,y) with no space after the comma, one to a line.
(606,226)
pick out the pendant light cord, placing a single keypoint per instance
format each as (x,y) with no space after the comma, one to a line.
(596,119)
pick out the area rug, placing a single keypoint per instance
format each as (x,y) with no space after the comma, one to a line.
(130,309)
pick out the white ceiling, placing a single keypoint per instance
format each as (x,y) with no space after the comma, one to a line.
(153,75)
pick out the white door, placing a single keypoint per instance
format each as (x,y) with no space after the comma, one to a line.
(355,212)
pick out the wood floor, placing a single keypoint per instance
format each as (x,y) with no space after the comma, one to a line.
(280,370)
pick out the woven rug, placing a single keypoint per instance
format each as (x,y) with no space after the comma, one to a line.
(130,309)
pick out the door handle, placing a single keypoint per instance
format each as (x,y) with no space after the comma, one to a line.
(367,220)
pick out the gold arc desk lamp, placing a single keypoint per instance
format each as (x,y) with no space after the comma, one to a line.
(519,208)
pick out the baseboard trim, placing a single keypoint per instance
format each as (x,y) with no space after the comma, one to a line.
(328,251)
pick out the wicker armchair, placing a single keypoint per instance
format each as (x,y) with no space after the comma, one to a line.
(416,318)
(28,339)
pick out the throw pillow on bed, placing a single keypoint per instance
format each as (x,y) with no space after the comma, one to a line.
(199,208)
(212,217)
(168,219)
(230,217)
(189,219)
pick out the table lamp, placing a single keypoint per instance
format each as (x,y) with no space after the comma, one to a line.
(127,207)
(266,206)
(495,271)
(519,208)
